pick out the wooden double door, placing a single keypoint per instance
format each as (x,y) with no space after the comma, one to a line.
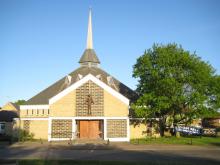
(90,129)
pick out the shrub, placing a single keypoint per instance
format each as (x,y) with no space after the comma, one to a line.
(25,135)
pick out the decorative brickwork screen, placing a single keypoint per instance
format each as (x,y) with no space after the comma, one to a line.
(61,128)
(116,128)
(97,95)
(27,125)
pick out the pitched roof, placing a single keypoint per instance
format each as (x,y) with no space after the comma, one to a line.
(15,105)
(10,106)
(44,96)
(89,55)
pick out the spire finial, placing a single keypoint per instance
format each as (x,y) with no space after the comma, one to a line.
(89,57)
(89,35)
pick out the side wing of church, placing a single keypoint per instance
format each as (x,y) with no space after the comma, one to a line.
(88,103)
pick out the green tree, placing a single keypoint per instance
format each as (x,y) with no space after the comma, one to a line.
(176,85)
(20,102)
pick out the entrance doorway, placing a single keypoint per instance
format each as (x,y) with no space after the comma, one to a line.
(90,129)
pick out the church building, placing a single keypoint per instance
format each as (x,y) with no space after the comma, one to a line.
(88,103)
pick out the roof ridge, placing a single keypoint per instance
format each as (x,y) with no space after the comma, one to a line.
(44,96)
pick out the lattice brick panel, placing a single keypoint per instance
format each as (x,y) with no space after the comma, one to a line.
(116,128)
(27,125)
(97,94)
(61,128)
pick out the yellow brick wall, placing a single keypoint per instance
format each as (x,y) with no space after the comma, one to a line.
(65,107)
(38,127)
(34,113)
(23,113)
(113,107)
(138,131)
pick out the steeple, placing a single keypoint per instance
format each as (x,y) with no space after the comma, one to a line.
(89,57)
(89,34)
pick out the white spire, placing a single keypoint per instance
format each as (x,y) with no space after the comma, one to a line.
(89,35)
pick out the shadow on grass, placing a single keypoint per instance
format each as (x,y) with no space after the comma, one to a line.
(215,144)
(94,162)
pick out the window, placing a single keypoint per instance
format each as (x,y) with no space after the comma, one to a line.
(68,80)
(2,128)
(79,76)
(111,83)
(99,77)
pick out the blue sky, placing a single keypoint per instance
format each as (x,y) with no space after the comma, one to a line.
(42,40)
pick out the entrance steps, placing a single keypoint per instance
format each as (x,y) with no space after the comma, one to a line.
(81,142)
(91,141)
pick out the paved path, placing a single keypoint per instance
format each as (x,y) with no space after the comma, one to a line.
(113,152)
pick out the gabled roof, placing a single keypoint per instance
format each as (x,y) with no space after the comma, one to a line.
(10,106)
(44,96)
(15,105)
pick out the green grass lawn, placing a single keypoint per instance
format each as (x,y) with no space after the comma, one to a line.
(215,141)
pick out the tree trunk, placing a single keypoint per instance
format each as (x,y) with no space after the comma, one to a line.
(162,125)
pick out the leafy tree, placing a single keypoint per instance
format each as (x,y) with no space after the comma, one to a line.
(20,102)
(176,85)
